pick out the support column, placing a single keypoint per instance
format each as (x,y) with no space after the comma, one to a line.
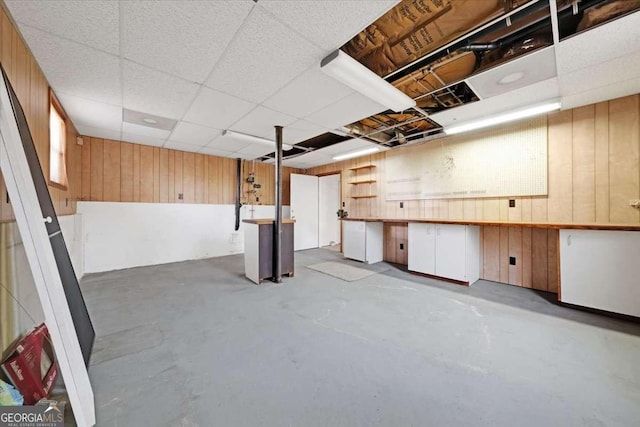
(277,232)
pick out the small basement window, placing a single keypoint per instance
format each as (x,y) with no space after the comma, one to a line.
(57,146)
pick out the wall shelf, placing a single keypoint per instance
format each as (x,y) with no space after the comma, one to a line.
(368,181)
(362,167)
(364,197)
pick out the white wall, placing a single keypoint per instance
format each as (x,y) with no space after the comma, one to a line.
(124,235)
(71,226)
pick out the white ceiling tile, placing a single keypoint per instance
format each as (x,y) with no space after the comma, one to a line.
(75,68)
(134,129)
(144,140)
(226,144)
(605,42)
(193,134)
(329,23)
(300,131)
(534,67)
(86,112)
(600,75)
(261,122)
(256,150)
(308,93)
(98,132)
(601,93)
(95,24)
(181,146)
(348,110)
(528,95)
(263,57)
(183,38)
(215,152)
(153,92)
(216,109)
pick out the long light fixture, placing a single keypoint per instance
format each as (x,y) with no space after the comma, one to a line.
(350,72)
(504,118)
(251,139)
(358,153)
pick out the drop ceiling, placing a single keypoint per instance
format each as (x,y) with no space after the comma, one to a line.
(247,66)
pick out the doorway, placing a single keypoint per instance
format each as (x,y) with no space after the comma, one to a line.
(328,205)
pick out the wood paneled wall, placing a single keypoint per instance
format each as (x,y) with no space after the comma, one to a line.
(32,90)
(115,171)
(395,243)
(594,170)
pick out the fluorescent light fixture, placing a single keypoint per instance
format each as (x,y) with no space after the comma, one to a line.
(504,118)
(253,139)
(358,153)
(350,72)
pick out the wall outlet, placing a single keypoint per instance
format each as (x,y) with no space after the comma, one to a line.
(180,196)
(401,205)
(635,203)
(402,246)
(512,203)
(512,260)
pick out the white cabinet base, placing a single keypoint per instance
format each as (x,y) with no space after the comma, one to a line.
(363,241)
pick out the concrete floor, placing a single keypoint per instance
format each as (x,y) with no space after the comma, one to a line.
(196,344)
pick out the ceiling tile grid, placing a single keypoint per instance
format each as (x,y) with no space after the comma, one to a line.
(115,135)
(193,134)
(262,58)
(216,109)
(347,110)
(90,113)
(185,38)
(74,68)
(261,121)
(94,24)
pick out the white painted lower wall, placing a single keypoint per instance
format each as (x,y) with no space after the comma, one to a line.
(71,226)
(124,235)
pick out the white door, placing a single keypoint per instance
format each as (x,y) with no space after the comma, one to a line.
(422,248)
(304,209)
(329,203)
(451,251)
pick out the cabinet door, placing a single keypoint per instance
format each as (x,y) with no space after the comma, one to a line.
(451,251)
(422,248)
(354,240)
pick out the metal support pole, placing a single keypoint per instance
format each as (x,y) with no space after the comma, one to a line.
(277,232)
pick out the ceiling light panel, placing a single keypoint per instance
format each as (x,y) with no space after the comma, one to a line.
(155,92)
(312,19)
(84,72)
(181,38)
(523,71)
(94,24)
(193,134)
(263,57)
(261,121)
(308,93)
(216,109)
(91,113)
(348,110)
(99,132)
(603,43)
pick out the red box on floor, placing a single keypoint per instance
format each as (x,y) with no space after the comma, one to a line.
(31,365)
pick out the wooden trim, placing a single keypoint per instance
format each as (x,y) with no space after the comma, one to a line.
(443,279)
(620,227)
(364,197)
(335,172)
(53,101)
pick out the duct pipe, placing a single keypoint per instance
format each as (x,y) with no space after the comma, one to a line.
(277,231)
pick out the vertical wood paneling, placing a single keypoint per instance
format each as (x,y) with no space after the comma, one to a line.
(126,172)
(146,174)
(539,259)
(178,195)
(624,159)
(515,250)
(111,171)
(171,173)
(97,169)
(136,173)
(526,257)
(156,174)
(602,162)
(86,170)
(189,177)
(504,255)
(164,175)
(200,178)
(584,179)
(559,206)
(491,253)
(552,260)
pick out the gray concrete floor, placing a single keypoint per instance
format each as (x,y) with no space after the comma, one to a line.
(196,344)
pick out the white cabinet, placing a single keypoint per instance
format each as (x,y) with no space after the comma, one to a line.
(363,241)
(599,269)
(451,251)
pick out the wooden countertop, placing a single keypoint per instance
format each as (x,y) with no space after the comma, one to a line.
(261,221)
(623,227)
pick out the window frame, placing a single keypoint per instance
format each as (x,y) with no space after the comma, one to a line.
(55,104)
